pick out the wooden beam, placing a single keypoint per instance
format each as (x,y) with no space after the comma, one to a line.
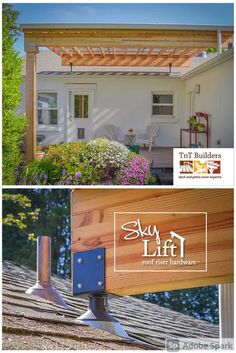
(132,38)
(67,51)
(78,51)
(55,50)
(93,227)
(90,51)
(30,151)
(102,50)
(128,59)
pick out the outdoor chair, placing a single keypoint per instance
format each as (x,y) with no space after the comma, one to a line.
(149,136)
(111,132)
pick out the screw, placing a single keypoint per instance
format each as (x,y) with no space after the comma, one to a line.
(100,257)
(100,283)
(80,260)
(80,285)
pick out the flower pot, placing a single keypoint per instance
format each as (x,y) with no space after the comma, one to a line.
(39,155)
(201,129)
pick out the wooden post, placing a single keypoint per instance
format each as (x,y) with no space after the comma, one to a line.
(226,310)
(30,104)
(93,227)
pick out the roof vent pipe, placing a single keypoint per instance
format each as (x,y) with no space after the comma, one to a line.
(43,287)
(98,317)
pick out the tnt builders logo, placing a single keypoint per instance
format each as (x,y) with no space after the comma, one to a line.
(203,167)
(160,241)
(199,167)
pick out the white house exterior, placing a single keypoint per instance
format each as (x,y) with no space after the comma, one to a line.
(124,97)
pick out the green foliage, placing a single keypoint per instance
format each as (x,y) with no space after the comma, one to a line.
(13,126)
(95,162)
(23,215)
(212,50)
(52,220)
(201,303)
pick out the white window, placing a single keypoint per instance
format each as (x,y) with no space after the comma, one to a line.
(162,104)
(47,108)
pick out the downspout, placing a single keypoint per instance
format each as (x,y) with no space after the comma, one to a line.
(219,42)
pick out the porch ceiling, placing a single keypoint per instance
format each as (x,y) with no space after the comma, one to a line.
(107,45)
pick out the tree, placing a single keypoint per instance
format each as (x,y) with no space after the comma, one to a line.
(201,303)
(13,126)
(48,214)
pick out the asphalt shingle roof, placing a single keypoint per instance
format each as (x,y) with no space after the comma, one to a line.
(30,322)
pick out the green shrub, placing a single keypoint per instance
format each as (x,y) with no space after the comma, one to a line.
(13,128)
(96,162)
(63,164)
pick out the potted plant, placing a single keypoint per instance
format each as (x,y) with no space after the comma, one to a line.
(40,151)
(201,127)
(192,122)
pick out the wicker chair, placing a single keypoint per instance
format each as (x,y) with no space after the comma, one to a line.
(111,132)
(149,136)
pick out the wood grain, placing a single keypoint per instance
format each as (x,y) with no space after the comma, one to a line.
(93,226)
(138,38)
(30,148)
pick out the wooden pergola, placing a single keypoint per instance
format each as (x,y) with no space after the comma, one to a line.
(114,45)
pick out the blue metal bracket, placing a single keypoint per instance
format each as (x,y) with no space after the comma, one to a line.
(89,271)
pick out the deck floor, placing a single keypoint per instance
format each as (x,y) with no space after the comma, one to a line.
(161,157)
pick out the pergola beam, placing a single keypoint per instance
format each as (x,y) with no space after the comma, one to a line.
(137,38)
(125,60)
(78,51)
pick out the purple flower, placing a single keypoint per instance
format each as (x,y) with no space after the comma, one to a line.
(63,173)
(78,175)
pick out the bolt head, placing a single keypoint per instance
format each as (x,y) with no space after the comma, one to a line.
(100,283)
(80,285)
(80,260)
(100,257)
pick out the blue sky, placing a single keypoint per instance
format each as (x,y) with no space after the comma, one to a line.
(219,14)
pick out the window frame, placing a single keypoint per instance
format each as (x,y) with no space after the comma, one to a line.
(57,109)
(160,117)
(82,108)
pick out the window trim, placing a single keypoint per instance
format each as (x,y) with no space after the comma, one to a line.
(164,118)
(45,126)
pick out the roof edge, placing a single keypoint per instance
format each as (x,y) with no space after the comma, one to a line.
(41,25)
(219,59)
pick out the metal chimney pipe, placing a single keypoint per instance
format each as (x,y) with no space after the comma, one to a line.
(44,260)
(43,287)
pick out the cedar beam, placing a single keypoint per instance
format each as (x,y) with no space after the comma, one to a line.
(90,51)
(128,59)
(93,227)
(30,105)
(142,38)
(78,51)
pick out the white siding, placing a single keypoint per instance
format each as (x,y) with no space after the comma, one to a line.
(126,103)
(216,99)
(122,101)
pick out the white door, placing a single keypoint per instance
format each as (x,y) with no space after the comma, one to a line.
(80,116)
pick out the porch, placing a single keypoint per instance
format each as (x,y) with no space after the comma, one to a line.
(161,161)
(160,46)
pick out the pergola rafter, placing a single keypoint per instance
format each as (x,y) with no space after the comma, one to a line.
(114,56)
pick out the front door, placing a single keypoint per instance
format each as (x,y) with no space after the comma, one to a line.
(80,116)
